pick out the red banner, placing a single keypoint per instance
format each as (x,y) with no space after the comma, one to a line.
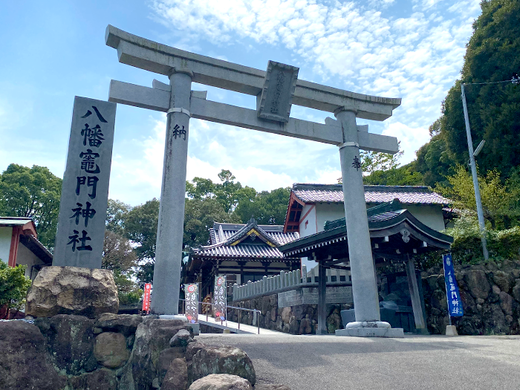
(146,298)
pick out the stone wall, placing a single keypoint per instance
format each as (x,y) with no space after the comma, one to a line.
(300,319)
(113,352)
(490,294)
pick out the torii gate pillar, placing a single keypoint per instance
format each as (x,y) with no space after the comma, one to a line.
(364,287)
(168,253)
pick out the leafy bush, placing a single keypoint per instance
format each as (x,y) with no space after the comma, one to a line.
(13,286)
(467,245)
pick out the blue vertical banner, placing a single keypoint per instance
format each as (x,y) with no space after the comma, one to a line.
(452,289)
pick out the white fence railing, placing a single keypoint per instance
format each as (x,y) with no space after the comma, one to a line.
(287,280)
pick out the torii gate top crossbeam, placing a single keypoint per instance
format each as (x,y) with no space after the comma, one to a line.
(155,57)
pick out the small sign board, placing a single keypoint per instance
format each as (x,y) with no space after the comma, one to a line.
(191,310)
(84,194)
(147,297)
(452,289)
(276,97)
(220,298)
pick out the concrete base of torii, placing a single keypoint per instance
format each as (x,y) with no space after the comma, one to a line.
(370,329)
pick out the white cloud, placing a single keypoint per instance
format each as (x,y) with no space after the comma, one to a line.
(411,139)
(412,50)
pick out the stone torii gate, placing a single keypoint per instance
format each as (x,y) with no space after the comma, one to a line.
(276,89)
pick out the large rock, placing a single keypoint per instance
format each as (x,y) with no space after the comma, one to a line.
(503,280)
(110,349)
(70,341)
(477,283)
(177,376)
(222,360)
(98,380)
(72,290)
(121,323)
(23,362)
(151,338)
(221,382)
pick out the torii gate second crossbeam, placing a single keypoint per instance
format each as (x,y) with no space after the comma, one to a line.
(276,89)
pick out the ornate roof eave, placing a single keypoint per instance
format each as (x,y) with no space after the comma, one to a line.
(251,228)
(401,219)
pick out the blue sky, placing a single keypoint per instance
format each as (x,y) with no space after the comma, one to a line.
(54,50)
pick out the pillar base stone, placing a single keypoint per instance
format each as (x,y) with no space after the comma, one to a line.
(181,317)
(370,329)
(451,330)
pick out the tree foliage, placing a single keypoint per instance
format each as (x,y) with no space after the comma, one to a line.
(499,201)
(492,56)
(13,286)
(35,193)
(140,226)
(268,208)
(118,254)
(199,216)
(406,175)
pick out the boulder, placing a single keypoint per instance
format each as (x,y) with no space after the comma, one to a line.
(494,319)
(166,357)
(305,325)
(23,362)
(503,280)
(181,338)
(506,303)
(222,360)
(70,341)
(176,377)
(102,379)
(477,283)
(110,349)
(192,350)
(151,338)
(72,290)
(286,315)
(121,323)
(516,290)
(221,382)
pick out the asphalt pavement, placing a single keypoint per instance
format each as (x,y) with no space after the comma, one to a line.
(414,362)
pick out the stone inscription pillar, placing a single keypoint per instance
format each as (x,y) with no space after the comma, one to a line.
(364,287)
(168,255)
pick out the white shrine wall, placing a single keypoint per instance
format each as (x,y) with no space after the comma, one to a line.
(5,243)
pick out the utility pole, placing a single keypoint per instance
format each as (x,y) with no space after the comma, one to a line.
(480,213)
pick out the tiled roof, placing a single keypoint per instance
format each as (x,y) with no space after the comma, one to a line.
(223,234)
(333,193)
(241,251)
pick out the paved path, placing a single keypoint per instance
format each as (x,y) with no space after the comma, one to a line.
(415,362)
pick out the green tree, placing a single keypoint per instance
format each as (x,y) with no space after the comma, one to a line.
(118,254)
(116,214)
(266,207)
(406,175)
(434,160)
(13,286)
(199,216)
(35,193)
(494,109)
(140,226)
(499,201)
(379,161)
